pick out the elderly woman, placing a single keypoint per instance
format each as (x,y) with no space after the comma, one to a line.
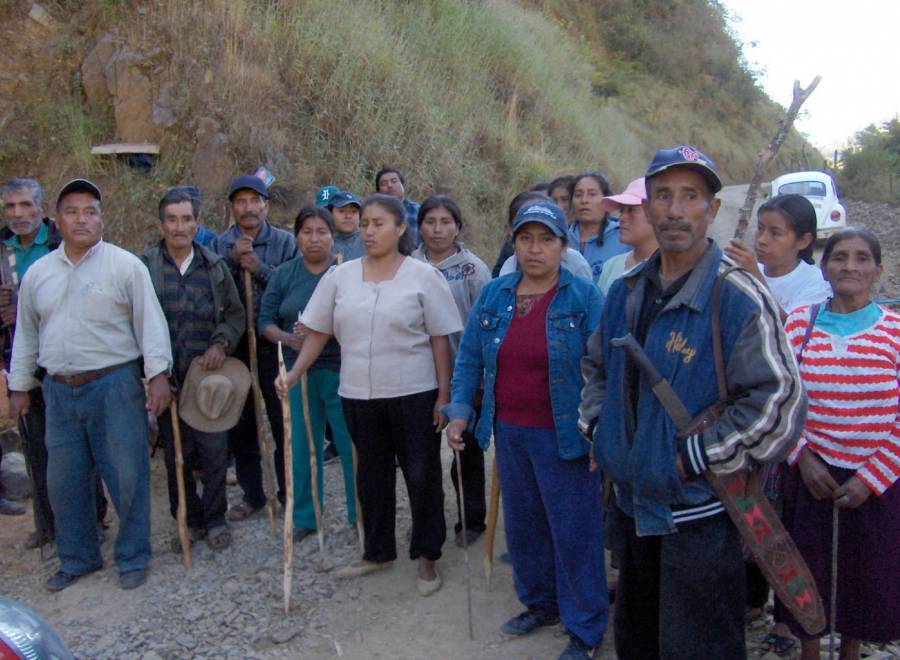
(391,315)
(287,294)
(525,337)
(634,230)
(849,453)
(440,222)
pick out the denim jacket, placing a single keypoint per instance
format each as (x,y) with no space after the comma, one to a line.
(572,316)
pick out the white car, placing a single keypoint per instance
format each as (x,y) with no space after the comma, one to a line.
(818,188)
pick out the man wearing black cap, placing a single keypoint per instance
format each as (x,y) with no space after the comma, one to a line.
(88,316)
(681,591)
(255,246)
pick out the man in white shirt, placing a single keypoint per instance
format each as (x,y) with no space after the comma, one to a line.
(87,315)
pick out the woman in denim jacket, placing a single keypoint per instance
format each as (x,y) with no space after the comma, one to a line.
(525,337)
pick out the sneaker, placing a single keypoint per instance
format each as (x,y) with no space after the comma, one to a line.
(428,587)
(133,579)
(10,508)
(242,511)
(577,650)
(529,621)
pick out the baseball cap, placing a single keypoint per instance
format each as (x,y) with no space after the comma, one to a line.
(685,156)
(634,194)
(547,213)
(343,198)
(248,182)
(324,195)
(79,185)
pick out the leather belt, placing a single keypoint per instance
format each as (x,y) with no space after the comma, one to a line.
(85,377)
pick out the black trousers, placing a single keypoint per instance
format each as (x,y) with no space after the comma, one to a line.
(471,460)
(207,452)
(242,439)
(401,428)
(32,429)
(757,586)
(680,596)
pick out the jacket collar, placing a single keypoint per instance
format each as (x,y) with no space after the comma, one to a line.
(697,291)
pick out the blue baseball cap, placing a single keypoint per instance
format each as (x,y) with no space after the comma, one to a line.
(248,182)
(688,157)
(545,212)
(343,198)
(324,195)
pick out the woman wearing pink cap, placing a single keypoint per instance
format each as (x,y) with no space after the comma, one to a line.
(634,230)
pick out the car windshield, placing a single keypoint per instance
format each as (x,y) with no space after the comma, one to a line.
(805,188)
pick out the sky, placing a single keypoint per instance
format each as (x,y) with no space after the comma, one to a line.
(853,45)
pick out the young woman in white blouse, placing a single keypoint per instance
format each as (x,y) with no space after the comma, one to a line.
(391,315)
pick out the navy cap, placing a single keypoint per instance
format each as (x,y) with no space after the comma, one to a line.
(343,198)
(79,185)
(685,156)
(547,213)
(248,182)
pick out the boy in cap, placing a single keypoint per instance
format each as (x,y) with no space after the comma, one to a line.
(344,206)
(88,316)
(206,321)
(681,586)
(252,244)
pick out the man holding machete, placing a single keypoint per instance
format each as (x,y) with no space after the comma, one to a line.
(681,586)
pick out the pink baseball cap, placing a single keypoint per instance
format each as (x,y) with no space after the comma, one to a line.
(634,194)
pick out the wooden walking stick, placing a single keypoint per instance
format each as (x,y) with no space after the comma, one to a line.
(835,514)
(259,406)
(288,539)
(313,463)
(181,515)
(493,510)
(462,510)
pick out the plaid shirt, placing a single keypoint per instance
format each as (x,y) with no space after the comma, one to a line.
(187,301)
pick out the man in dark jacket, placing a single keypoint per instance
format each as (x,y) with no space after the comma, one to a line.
(206,321)
(255,246)
(26,238)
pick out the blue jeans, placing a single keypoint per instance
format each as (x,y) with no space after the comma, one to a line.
(553,514)
(100,426)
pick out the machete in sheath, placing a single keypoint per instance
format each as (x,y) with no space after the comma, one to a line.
(747,505)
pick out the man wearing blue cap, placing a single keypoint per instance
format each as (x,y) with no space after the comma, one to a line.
(344,206)
(255,246)
(681,591)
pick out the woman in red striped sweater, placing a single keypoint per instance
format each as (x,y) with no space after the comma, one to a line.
(849,453)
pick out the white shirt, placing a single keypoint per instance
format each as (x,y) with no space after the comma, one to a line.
(384,328)
(80,317)
(804,285)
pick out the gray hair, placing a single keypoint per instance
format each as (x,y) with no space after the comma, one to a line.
(15,185)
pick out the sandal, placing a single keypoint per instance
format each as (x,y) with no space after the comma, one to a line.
(194,535)
(219,538)
(780,645)
(241,511)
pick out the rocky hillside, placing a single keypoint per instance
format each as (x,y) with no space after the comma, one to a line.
(476,99)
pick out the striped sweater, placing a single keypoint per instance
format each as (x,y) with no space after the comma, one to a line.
(854,397)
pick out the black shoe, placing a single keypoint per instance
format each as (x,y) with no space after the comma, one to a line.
(133,579)
(10,508)
(301,533)
(529,621)
(577,650)
(472,535)
(330,455)
(60,580)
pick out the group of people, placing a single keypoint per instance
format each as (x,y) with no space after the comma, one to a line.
(394,331)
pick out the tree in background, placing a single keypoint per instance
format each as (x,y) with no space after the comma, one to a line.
(870,167)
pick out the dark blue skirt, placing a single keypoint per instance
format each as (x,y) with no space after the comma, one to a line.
(868,586)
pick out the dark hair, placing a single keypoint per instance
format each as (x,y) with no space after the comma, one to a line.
(521,200)
(180,194)
(312,211)
(388,170)
(394,207)
(441,202)
(849,233)
(800,215)
(561,182)
(596,176)
(540,186)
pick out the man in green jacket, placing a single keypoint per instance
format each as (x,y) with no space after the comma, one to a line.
(206,320)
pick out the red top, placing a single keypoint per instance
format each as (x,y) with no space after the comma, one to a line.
(522,388)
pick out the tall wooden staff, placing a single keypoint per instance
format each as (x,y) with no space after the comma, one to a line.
(313,463)
(465,538)
(259,406)
(288,487)
(181,515)
(491,525)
